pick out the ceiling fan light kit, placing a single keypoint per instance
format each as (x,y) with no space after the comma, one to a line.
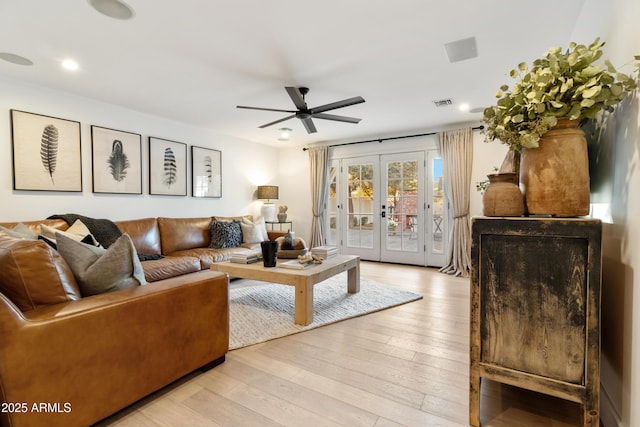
(306,114)
(284,134)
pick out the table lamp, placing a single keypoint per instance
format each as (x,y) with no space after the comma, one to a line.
(268,193)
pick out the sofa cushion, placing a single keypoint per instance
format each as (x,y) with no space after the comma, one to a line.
(144,234)
(183,233)
(225,234)
(207,256)
(34,226)
(33,274)
(233,218)
(98,270)
(170,266)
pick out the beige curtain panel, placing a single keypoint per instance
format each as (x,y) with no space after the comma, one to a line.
(318,165)
(456,150)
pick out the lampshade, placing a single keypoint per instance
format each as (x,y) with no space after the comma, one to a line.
(268,192)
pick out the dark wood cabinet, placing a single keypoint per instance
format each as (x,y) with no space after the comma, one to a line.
(535,308)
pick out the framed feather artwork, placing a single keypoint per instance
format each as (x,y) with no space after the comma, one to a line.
(116,161)
(206,172)
(46,153)
(167,167)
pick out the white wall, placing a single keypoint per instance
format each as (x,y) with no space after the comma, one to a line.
(241,173)
(295,189)
(615,179)
(486,157)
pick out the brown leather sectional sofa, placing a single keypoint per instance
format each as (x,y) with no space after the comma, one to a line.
(183,241)
(72,361)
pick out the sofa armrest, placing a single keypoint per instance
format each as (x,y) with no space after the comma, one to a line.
(100,354)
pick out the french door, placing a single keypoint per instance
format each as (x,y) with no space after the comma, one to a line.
(388,208)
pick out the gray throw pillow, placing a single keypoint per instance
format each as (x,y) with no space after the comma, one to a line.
(225,234)
(98,270)
(20,231)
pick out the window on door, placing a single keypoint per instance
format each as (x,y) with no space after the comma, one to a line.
(388,208)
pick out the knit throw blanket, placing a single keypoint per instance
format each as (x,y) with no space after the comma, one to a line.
(105,231)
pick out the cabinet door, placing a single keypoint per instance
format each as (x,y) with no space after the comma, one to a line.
(534,304)
(536,297)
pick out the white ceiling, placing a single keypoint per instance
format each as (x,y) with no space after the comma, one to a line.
(194,60)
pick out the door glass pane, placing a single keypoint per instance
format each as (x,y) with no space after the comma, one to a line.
(438,206)
(332,208)
(360,206)
(402,206)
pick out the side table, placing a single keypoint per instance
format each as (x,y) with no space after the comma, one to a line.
(274,223)
(535,309)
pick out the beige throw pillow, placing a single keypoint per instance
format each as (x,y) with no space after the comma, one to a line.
(256,231)
(78,232)
(98,270)
(251,234)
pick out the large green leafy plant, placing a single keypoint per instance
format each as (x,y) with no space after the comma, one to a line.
(560,84)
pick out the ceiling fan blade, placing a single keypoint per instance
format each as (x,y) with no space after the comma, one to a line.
(338,104)
(326,116)
(308,125)
(265,109)
(296,97)
(277,121)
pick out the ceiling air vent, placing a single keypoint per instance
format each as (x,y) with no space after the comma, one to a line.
(443,102)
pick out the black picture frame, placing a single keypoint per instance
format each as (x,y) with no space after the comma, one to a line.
(167,167)
(206,172)
(46,152)
(116,161)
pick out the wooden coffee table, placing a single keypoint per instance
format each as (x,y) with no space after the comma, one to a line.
(302,280)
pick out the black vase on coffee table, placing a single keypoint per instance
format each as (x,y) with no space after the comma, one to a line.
(269,253)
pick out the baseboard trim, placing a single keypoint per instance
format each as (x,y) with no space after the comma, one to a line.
(609,417)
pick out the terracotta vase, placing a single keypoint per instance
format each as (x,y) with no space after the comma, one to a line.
(503,196)
(555,176)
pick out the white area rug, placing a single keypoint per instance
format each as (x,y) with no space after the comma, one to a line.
(260,311)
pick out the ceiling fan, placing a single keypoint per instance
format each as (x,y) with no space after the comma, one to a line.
(305,114)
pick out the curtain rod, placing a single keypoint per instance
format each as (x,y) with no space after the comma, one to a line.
(390,138)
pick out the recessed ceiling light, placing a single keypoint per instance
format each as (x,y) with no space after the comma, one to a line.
(464,107)
(15,59)
(112,8)
(70,65)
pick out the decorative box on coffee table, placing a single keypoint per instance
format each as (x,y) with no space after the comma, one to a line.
(535,308)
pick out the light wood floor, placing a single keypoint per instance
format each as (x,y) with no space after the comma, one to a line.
(405,366)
